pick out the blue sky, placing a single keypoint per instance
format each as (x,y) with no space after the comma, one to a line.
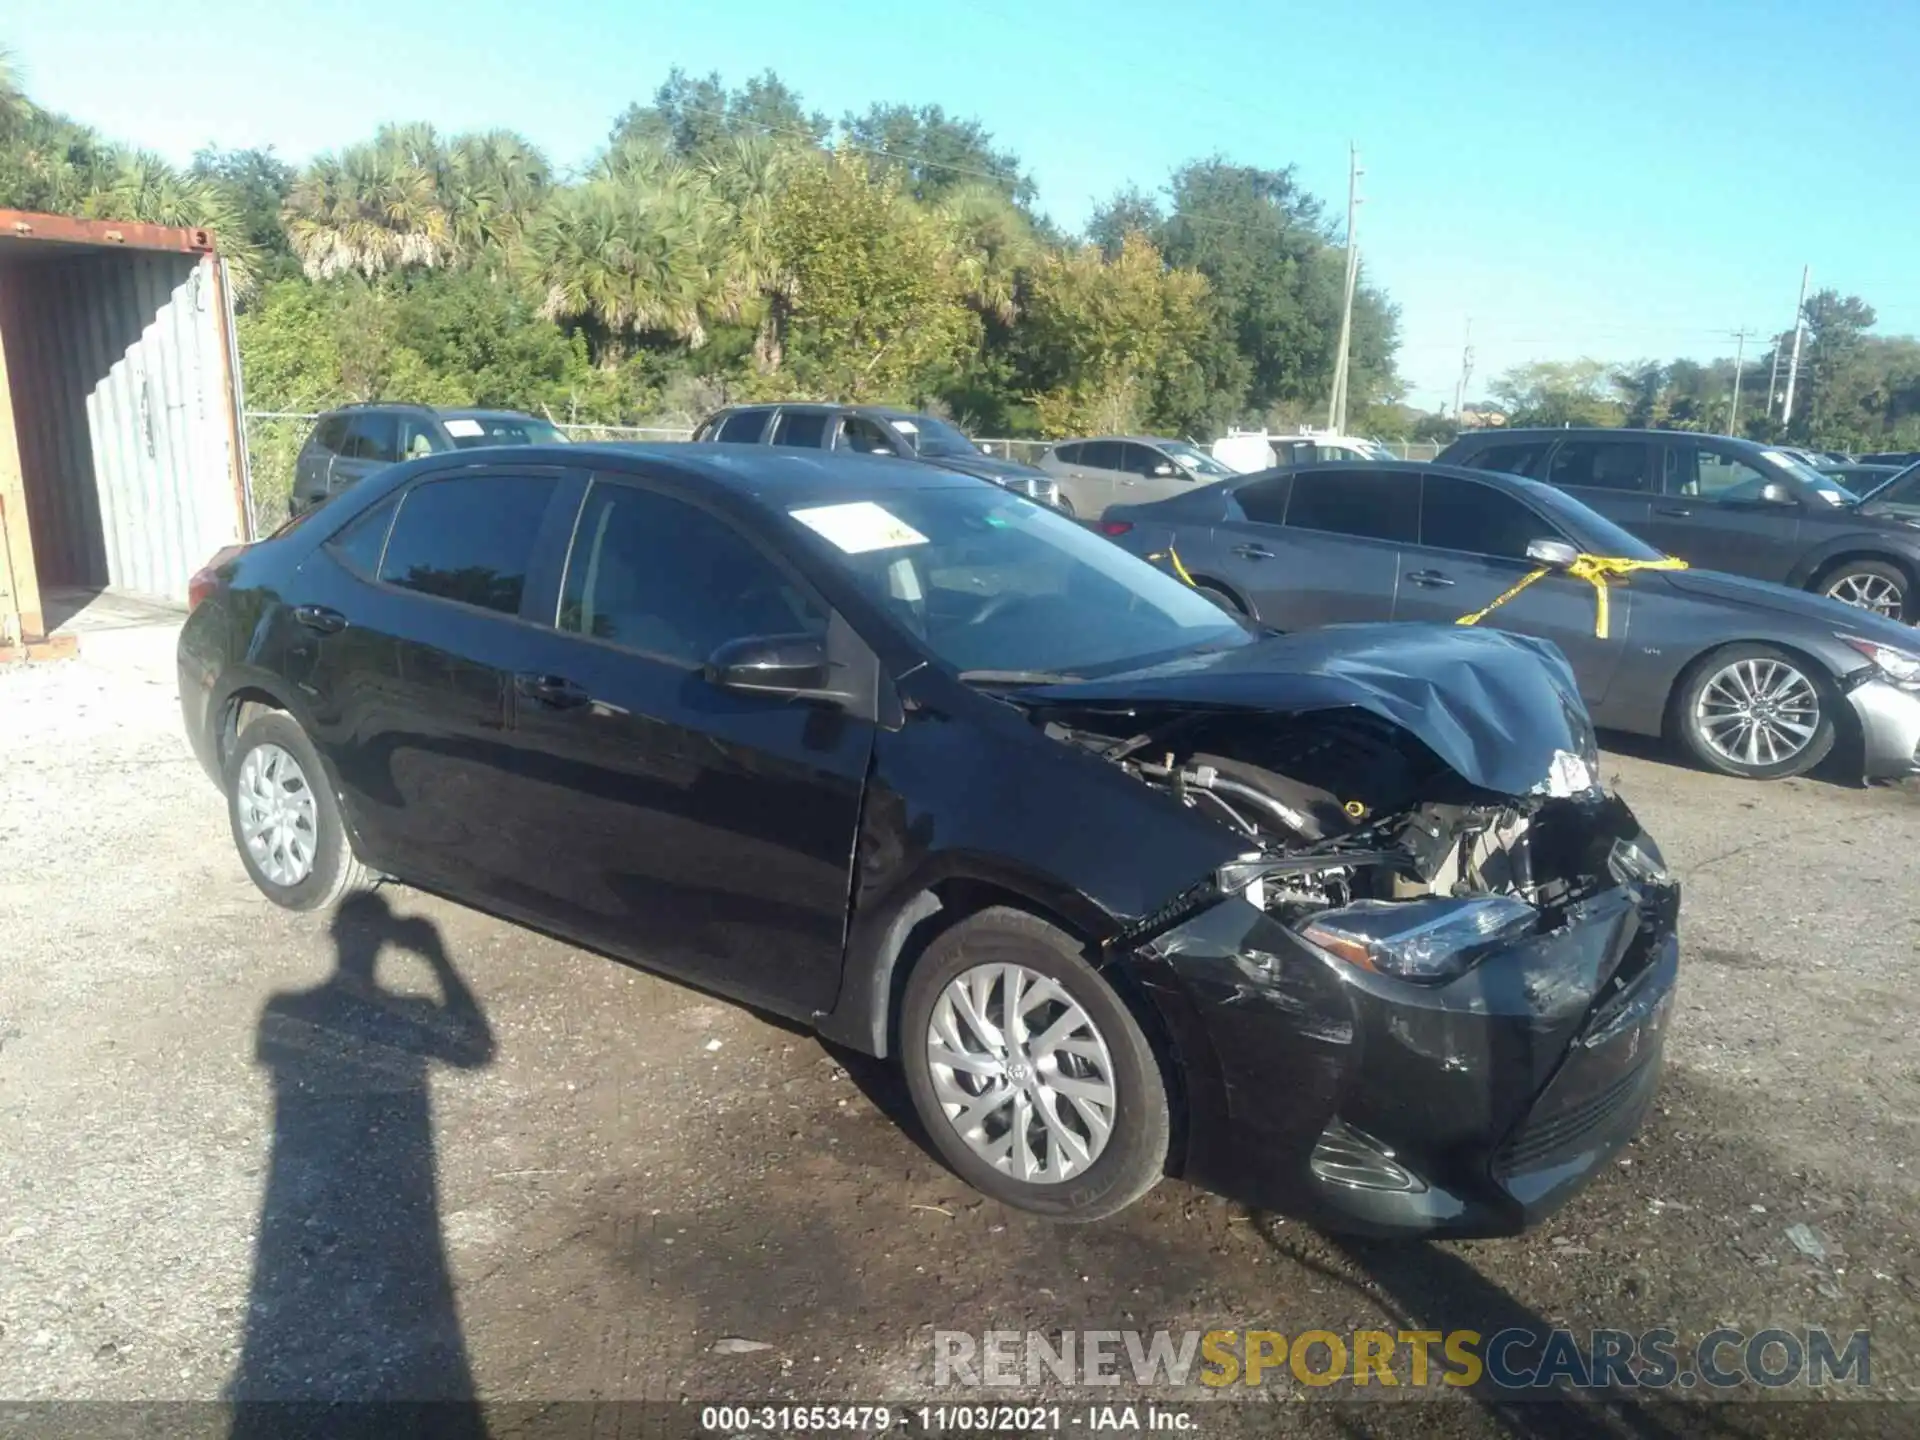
(1622,180)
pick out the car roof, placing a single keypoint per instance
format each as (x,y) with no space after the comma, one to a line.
(1129,439)
(458,412)
(767,474)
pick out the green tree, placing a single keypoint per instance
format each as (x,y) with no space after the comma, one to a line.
(692,118)
(934,152)
(877,307)
(1557,392)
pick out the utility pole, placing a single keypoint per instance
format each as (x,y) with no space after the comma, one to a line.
(1773,380)
(1337,405)
(1739,356)
(1466,374)
(1799,329)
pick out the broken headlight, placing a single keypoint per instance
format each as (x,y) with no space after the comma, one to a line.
(1427,940)
(1637,862)
(1897,665)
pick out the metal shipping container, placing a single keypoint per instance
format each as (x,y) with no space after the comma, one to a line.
(121,461)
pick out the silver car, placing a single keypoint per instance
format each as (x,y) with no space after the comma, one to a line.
(1128,470)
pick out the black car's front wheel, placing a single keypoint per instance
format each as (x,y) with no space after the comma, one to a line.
(1032,1077)
(1870,585)
(286,822)
(1758,712)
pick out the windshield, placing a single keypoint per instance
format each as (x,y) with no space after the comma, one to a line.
(1591,530)
(1197,460)
(988,581)
(470,431)
(933,437)
(1898,496)
(1828,488)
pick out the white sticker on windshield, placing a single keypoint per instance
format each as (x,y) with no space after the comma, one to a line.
(859,526)
(466,429)
(905,427)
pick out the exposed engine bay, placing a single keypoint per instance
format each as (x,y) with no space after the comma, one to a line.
(1343,806)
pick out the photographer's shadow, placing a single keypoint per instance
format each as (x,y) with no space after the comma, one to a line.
(352,1300)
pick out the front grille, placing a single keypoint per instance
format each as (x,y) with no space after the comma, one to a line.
(1549,1139)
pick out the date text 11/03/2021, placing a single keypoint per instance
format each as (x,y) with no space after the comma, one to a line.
(963,1419)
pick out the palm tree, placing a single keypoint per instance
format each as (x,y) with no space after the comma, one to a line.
(15,108)
(624,259)
(994,243)
(747,175)
(120,184)
(494,182)
(371,208)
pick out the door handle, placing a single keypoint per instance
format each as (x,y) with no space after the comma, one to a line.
(556,692)
(1679,510)
(320,617)
(1253,552)
(1432,579)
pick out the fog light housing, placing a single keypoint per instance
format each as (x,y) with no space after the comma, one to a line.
(1346,1156)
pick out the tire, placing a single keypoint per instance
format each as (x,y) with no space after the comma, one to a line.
(307,863)
(1221,598)
(1876,586)
(1106,1177)
(1066,508)
(1717,685)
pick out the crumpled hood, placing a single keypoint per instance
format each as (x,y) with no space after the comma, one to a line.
(985,467)
(1496,708)
(1830,615)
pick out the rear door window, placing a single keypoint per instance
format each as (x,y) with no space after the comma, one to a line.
(1101,454)
(743,427)
(801,429)
(1513,458)
(372,437)
(1372,504)
(1068,454)
(1265,501)
(360,543)
(1625,465)
(331,433)
(1458,514)
(469,538)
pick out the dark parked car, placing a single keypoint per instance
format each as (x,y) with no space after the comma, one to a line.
(1337,921)
(1890,457)
(1755,679)
(349,444)
(1720,503)
(1857,477)
(875,430)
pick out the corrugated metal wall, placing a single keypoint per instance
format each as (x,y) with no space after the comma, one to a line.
(119,397)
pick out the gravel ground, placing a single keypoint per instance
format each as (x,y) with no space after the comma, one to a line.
(231,1164)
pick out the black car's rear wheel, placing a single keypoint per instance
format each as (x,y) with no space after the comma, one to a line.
(1758,712)
(1221,597)
(286,822)
(1033,1078)
(1869,584)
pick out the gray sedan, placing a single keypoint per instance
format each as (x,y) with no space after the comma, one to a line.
(1755,679)
(1127,470)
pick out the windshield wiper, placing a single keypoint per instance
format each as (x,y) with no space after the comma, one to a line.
(1015,677)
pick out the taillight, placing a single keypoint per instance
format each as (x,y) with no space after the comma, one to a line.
(206,579)
(1115,527)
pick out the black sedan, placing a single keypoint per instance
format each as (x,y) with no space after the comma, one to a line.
(1756,680)
(1339,922)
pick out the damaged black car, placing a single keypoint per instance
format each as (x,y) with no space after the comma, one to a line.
(1341,923)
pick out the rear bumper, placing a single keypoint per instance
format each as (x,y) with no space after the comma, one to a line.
(1375,1106)
(1889,721)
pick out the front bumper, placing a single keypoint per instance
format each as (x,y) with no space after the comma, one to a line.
(1889,720)
(1372,1105)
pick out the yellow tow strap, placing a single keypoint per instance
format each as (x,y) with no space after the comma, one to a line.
(1597,570)
(1173,555)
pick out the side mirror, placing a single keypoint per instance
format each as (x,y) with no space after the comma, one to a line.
(1164,471)
(1554,554)
(1774,493)
(793,665)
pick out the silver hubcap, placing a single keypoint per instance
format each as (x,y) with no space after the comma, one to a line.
(277,814)
(1758,712)
(1022,1073)
(1869,592)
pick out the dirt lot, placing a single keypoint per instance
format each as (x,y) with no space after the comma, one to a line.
(224,1166)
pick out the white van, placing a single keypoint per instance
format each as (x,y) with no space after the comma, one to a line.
(1249,450)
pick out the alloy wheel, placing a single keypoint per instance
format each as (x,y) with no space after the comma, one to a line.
(1757,712)
(277,814)
(1021,1072)
(1869,591)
